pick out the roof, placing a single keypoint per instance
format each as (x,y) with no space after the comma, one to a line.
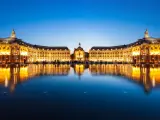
(152,39)
(6,39)
(79,48)
(20,42)
(149,40)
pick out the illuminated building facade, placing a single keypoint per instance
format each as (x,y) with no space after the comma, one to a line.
(145,50)
(14,50)
(79,54)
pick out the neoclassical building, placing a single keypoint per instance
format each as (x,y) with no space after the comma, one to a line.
(14,50)
(79,54)
(145,50)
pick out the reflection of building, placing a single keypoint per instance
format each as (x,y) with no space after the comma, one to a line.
(147,76)
(79,69)
(14,50)
(12,75)
(146,50)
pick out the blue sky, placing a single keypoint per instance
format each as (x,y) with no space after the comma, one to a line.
(68,22)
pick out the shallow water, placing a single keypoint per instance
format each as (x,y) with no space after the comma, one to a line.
(79,92)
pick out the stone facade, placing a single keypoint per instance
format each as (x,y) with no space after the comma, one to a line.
(14,50)
(145,50)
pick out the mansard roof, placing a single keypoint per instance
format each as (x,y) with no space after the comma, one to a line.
(20,42)
(6,39)
(149,40)
(79,48)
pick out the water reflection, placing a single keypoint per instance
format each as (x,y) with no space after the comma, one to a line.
(12,75)
(79,69)
(146,76)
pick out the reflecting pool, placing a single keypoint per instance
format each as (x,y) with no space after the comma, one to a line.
(96,92)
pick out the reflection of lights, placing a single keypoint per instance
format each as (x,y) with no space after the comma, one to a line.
(79,69)
(12,87)
(151,75)
(4,75)
(23,72)
(6,82)
(15,80)
(153,82)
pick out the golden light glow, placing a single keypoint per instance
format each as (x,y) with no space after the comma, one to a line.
(6,82)
(135,53)
(155,53)
(136,72)
(24,53)
(4,74)
(79,69)
(10,76)
(145,75)
(79,55)
(23,73)
(154,74)
(4,53)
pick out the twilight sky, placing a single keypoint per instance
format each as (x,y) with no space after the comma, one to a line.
(68,22)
